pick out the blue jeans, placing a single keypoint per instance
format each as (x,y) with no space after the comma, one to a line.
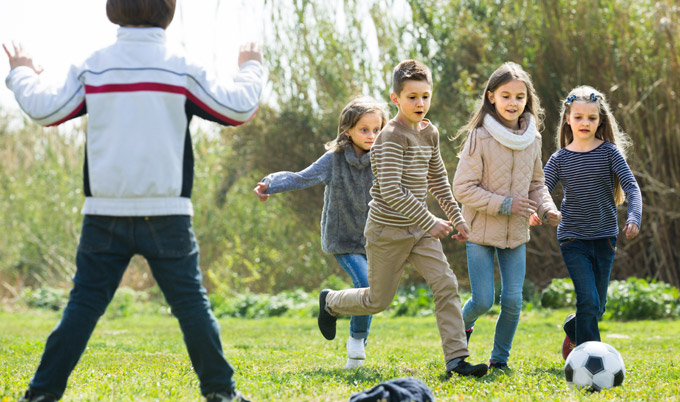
(106,246)
(512,265)
(589,263)
(357,268)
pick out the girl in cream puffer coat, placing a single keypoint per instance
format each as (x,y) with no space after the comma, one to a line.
(500,182)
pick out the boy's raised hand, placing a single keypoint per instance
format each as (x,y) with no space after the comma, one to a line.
(21,58)
(441,229)
(463,232)
(259,191)
(250,51)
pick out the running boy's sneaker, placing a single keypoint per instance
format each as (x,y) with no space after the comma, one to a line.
(31,396)
(460,366)
(569,327)
(234,396)
(326,321)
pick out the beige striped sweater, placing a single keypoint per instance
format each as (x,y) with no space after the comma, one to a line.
(407,164)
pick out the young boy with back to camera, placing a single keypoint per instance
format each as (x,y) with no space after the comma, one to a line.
(406,161)
(138,176)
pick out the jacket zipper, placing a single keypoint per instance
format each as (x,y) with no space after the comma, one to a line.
(507,229)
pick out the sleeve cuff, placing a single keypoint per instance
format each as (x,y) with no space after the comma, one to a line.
(506,207)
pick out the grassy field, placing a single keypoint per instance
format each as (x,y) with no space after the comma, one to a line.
(142,358)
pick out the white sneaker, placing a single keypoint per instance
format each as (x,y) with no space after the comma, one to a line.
(355,348)
(353,363)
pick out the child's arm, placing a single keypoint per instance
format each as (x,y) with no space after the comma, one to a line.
(468,189)
(229,104)
(438,186)
(633,195)
(279,182)
(539,193)
(45,104)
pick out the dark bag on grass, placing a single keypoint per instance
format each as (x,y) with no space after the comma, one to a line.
(406,389)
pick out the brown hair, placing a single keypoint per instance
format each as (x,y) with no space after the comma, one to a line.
(349,117)
(608,130)
(409,70)
(507,72)
(157,13)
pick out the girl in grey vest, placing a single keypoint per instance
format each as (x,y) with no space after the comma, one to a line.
(346,171)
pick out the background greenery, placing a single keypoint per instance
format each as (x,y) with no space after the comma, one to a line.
(629,50)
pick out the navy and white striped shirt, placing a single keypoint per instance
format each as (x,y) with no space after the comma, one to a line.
(588,207)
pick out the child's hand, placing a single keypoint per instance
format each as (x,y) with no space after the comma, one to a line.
(523,206)
(463,232)
(553,217)
(631,230)
(441,229)
(250,51)
(534,220)
(259,191)
(21,58)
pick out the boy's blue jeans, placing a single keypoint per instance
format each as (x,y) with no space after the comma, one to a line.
(356,267)
(589,263)
(512,265)
(106,246)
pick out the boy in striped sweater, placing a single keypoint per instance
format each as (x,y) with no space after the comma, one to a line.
(407,164)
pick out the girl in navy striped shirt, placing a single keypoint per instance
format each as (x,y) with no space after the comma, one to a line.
(594,174)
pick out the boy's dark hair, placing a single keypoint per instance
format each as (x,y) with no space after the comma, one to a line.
(157,13)
(409,70)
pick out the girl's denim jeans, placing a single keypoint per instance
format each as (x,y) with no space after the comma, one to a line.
(106,246)
(512,264)
(589,263)
(356,267)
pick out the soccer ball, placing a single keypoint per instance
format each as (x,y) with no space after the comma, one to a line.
(594,365)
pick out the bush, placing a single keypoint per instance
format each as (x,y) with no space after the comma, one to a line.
(559,294)
(45,297)
(296,303)
(633,299)
(639,299)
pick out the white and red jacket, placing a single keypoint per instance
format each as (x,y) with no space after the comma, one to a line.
(139,97)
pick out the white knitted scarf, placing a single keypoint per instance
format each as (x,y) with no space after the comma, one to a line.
(518,140)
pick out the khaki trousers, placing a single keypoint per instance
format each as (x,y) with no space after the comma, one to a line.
(387,250)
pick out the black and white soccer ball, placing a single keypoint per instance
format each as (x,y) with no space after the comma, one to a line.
(594,366)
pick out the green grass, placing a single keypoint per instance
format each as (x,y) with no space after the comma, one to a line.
(143,358)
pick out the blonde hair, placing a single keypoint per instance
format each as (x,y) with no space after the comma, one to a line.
(608,130)
(349,117)
(507,72)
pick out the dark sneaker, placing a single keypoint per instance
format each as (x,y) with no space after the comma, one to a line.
(498,365)
(569,327)
(325,320)
(233,396)
(468,333)
(465,369)
(31,396)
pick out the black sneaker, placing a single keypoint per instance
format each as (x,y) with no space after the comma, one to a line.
(233,396)
(466,369)
(325,320)
(31,396)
